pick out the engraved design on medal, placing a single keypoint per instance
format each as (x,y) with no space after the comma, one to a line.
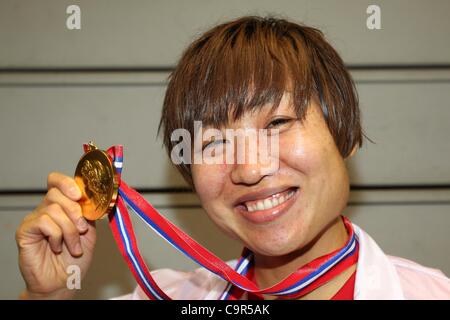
(96,178)
(98,181)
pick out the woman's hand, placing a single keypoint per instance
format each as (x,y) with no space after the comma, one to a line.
(53,237)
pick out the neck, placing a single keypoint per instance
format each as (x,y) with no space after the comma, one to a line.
(271,270)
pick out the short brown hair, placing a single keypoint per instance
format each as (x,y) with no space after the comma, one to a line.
(249,62)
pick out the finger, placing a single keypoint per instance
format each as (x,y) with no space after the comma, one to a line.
(71,208)
(39,228)
(65,184)
(71,236)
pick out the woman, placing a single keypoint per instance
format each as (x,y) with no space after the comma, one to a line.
(264,74)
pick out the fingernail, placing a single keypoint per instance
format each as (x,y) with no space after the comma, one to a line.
(78,249)
(82,224)
(74,192)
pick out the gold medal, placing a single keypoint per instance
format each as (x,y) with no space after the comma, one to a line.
(98,181)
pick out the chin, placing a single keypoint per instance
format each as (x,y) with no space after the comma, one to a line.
(279,244)
(274,250)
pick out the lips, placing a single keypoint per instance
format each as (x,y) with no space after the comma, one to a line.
(267,205)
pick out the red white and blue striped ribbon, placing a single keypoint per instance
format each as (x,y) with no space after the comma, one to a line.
(302,281)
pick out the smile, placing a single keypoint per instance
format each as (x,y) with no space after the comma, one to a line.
(270,207)
(269,202)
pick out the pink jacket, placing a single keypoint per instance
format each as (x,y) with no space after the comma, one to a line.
(378,276)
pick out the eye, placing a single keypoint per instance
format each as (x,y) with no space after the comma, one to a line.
(213,142)
(278,122)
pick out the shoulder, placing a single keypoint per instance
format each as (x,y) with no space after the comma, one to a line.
(420,282)
(199,284)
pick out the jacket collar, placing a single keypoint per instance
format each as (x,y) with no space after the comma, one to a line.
(376,277)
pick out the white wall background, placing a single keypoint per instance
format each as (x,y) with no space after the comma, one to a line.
(60,88)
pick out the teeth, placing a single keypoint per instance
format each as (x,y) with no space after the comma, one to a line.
(268,203)
(275,202)
(260,205)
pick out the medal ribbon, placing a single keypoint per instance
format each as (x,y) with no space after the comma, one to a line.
(299,283)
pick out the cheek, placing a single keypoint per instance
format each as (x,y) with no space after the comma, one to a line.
(325,178)
(299,152)
(209,181)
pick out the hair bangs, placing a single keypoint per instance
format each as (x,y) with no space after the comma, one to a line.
(251,67)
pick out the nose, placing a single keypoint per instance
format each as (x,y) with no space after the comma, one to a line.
(245,173)
(251,164)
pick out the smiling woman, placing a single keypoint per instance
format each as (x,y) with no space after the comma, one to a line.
(259,73)
(253,73)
